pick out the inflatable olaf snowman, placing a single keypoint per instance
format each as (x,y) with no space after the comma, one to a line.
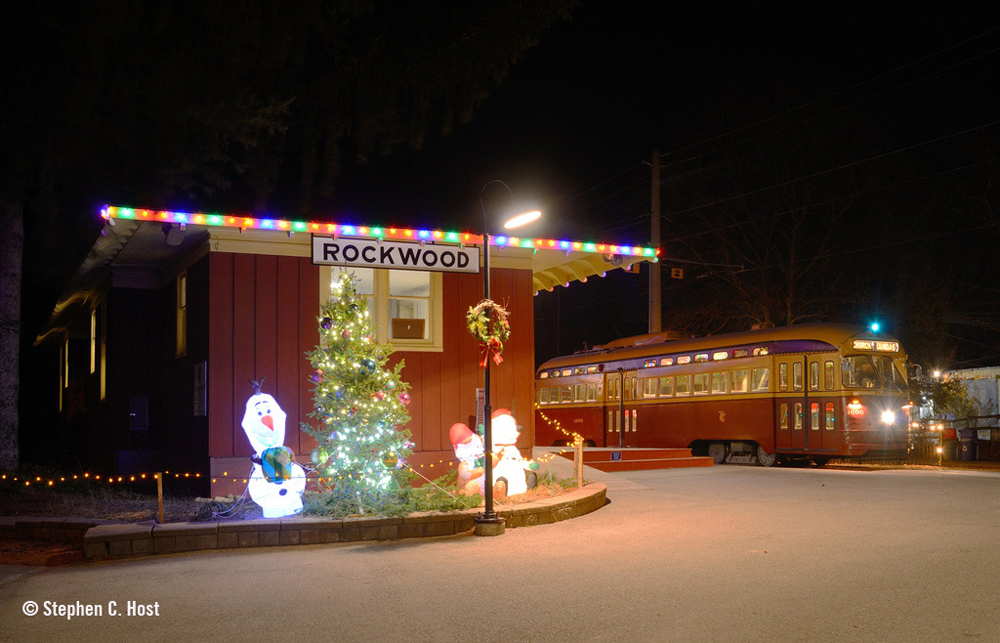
(276,481)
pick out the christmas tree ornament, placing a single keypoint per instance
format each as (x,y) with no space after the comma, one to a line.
(346,333)
(327,323)
(379,395)
(404,398)
(317,376)
(390,461)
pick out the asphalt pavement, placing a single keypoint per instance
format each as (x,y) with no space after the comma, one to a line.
(728,553)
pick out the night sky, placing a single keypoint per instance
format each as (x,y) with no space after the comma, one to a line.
(573,126)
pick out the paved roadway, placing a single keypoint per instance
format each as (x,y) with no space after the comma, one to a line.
(730,553)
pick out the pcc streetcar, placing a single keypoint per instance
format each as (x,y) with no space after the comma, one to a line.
(796,393)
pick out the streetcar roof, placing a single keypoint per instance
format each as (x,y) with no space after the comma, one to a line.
(803,338)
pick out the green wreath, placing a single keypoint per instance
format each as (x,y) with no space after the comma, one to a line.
(487,321)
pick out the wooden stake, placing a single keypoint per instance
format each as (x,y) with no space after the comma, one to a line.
(159,494)
(578,463)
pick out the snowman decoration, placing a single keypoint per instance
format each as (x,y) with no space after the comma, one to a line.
(276,481)
(471,465)
(512,474)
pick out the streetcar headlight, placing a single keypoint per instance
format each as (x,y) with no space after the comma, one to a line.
(888,417)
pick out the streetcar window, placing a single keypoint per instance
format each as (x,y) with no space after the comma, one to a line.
(740,380)
(683,385)
(813,376)
(567,394)
(612,389)
(567,371)
(719,356)
(740,352)
(830,416)
(798,416)
(701,357)
(891,377)
(828,375)
(543,374)
(782,377)
(814,416)
(666,387)
(761,379)
(632,388)
(538,396)
(700,386)
(649,387)
(578,370)
(628,389)
(783,417)
(857,372)
(581,392)
(591,369)
(591,393)
(667,361)
(761,351)
(600,388)
(684,359)
(797,376)
(720,383)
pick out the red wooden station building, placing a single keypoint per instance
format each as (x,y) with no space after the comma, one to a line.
(172,314)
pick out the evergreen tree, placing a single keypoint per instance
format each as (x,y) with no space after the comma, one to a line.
(360,406)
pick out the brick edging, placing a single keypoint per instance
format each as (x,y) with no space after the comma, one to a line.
(117,540)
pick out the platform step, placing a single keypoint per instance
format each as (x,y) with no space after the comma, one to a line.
(592,455)
(649,465)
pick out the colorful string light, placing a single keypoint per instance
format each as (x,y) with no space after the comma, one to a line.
(241,222)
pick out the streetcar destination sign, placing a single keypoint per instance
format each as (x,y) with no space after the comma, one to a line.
(372,253)
(876,346)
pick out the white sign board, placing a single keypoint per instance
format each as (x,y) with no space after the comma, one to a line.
(371,253)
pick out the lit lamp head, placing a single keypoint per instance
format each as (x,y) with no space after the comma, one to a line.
(522,219)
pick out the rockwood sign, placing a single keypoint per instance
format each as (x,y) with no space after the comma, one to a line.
(391,254)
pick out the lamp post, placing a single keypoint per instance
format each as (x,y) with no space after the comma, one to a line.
(488,524)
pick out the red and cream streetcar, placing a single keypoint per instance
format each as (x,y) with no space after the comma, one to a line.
(797,393)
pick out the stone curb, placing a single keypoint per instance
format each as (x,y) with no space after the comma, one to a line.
(116,541)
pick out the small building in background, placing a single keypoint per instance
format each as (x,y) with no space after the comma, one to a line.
(154,342)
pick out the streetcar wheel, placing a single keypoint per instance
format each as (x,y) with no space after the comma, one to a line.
(718,451)
(766,459)
(820,462)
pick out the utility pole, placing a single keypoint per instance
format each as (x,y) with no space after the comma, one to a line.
(655,304)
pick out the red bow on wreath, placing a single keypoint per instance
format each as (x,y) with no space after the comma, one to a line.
(495,346)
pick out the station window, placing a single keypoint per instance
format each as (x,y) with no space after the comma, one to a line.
(666,387)
(783,417)
(700,385)
(404,306)
(181,315)
(683,385)
(828,372)
(761,380)
(798,416)
(797,376)
(813,376)
(782,377)
(831,417)
(720,383)
(740,381)
(814,416)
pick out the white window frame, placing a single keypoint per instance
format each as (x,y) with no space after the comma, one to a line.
(434,343)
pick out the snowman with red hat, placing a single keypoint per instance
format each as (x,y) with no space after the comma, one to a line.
(471,465)
(511,472)
(276,481)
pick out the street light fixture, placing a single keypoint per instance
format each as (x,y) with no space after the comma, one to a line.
(487,523)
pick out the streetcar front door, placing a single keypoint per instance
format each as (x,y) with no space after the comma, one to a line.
(791,403)
(620,413)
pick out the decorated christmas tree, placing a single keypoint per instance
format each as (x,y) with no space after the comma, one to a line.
(360,407)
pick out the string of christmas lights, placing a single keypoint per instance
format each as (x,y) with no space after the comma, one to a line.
(573,434)
(243,222)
